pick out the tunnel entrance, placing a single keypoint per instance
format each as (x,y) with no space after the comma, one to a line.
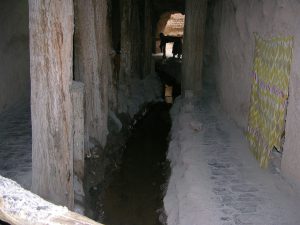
(170,24)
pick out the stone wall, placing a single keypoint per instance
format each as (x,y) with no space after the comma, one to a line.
(14,52)
(233,24)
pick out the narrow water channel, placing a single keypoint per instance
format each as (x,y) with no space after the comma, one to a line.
(135,194)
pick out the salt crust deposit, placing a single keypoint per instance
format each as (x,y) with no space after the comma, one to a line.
(19,206)
(25,204)
(183,198)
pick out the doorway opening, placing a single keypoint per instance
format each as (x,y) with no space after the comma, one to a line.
(170,24)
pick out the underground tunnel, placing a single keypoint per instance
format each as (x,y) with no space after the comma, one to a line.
(167,112)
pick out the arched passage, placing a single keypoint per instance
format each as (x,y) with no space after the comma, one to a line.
(170,23)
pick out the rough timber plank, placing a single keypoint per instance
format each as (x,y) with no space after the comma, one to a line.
(51,24)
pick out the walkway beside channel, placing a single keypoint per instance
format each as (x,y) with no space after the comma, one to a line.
(215,179)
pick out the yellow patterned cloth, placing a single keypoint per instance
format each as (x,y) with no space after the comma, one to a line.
(269,96)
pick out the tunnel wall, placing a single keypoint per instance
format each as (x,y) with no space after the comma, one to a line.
(233,23)
(14,52)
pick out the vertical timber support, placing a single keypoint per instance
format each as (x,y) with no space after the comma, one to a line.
(77,92)
(51,24)
(93,65)
(193,46)
(115,31)
(131,41)
(131,58)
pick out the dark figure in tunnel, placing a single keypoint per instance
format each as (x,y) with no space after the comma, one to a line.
(177,48)
(169,39)
(163,42)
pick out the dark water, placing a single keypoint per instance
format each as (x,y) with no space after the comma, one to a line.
(135,193)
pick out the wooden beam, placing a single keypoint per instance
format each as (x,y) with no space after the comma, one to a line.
(19,206)
(77,92)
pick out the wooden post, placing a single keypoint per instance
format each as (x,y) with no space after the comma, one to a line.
(193,44)
(93,64)
(131,41)
(51,59)
(77,92)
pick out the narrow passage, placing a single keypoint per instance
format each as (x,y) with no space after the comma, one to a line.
(135,194)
